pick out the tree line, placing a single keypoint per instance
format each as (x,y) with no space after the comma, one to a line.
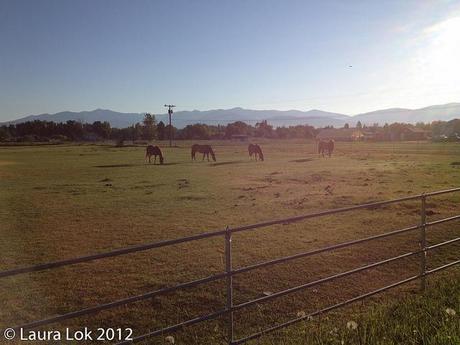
(150,129)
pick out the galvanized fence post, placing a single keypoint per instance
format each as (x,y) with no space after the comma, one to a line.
(423,243)
(228,269)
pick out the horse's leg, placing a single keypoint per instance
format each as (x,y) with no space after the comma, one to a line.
(203,156)
(155,160)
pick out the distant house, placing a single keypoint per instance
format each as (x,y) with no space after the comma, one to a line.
(414,134)
(340,134)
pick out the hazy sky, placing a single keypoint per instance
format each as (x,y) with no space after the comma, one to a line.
(135,56)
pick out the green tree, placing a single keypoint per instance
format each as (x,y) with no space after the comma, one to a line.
(237,128)
(102,129)
(4,133)
(263,129)
(149,128)
(161,131)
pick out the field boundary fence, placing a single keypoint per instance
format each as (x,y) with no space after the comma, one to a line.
(230,272)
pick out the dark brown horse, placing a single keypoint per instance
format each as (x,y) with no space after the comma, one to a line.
(255,150)
(206,150)
(325,146)
(154,151)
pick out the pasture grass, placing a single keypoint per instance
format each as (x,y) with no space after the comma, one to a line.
(428,318)
(64,201)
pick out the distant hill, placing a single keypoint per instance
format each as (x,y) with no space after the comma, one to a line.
(444,112)
(212,117)
(114,118)
(317,118)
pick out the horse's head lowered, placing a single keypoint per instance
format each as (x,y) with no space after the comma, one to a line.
(261,155)
(212,154)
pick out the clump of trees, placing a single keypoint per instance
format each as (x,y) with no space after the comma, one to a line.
(147,130)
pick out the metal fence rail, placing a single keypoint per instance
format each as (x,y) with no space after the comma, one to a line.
(229,272)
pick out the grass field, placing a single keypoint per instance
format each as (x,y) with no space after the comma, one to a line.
(63,201)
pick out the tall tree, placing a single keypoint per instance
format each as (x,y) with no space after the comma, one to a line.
(148,130)
(161,128)
(263,129)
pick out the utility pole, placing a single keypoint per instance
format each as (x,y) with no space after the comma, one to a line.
(170,112)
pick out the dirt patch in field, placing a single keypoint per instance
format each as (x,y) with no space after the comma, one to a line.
(148,186)
(248,189)
(3,163)
(297,180)
(192,197)
(183,183)
(316,178)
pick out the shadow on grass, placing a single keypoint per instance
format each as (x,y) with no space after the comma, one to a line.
(131,165)
(173,163)
(116,166)
(302,160)
(226,163)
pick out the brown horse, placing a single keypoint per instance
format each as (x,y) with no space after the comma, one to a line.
(153,151)
(206,150)
(326,146)
(255,150)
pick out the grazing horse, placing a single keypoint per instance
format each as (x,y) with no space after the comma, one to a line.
(205,150)
(255,150)
(153,151)
(324,145)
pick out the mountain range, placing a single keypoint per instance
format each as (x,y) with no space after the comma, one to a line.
(316,118)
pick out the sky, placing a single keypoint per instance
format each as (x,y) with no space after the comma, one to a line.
(134,56)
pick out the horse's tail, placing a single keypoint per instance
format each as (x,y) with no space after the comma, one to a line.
(193,152)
